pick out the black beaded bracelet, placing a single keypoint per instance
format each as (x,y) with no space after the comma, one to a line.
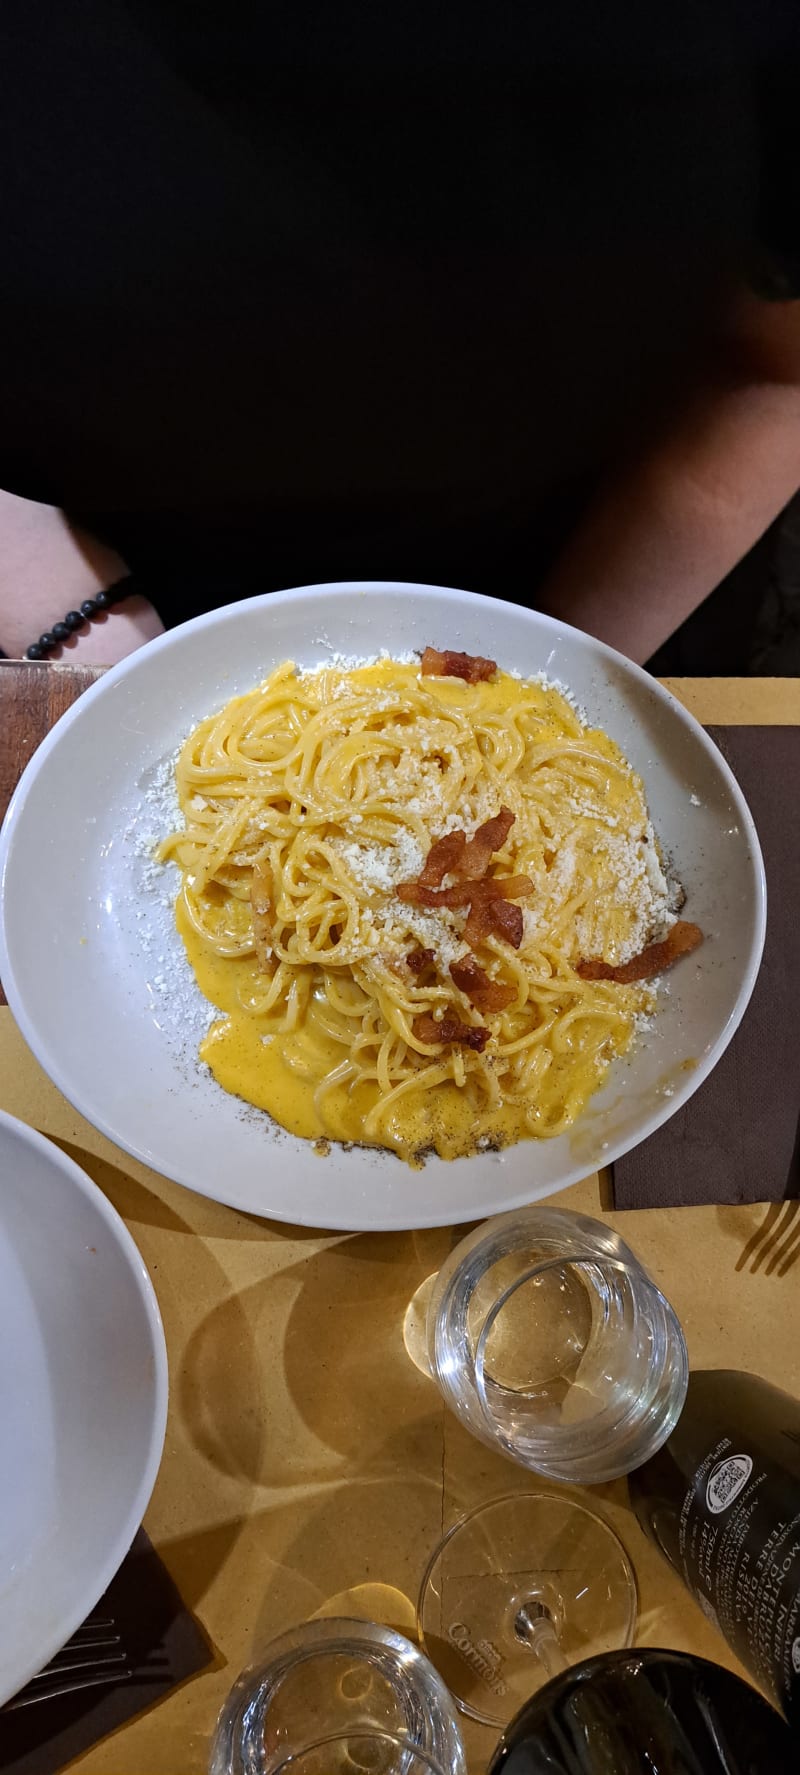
(78,619)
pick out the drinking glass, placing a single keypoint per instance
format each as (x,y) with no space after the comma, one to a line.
(357,1753)
(339,1695)
(549,1340)
(516,1592)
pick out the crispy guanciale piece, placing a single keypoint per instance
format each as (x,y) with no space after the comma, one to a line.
(452,1031)
(485,994)
(494,918)
(466,893)
(414,894)
(480,892)
(443,856)
(500,887)
(469,666)
(419,960)
(681,940)
(263,912)
(489,838)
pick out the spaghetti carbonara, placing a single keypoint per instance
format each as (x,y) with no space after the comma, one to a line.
(417,900)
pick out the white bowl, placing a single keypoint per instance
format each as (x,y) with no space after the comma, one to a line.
(84,1398)
(94,970)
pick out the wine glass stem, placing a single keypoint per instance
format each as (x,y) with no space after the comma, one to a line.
(534,1625)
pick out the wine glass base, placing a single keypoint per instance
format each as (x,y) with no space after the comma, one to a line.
(515,1566)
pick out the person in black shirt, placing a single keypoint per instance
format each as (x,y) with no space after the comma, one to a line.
(504,298)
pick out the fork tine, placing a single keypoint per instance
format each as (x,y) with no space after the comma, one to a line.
(84,1641)
(94,1634)
(94,1624)
(28,1697)
(66,1666)
(87,1662)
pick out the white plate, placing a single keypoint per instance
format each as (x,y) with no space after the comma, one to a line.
(93,968)
(83,1382)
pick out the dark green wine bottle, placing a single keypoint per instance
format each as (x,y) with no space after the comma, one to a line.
(722,1501)
(646,1712)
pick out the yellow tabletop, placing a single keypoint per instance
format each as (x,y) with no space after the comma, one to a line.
(309,1467)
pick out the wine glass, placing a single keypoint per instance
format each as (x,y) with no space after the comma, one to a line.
(551,1343)
(549,1340)
(349,1695)
(516,1592)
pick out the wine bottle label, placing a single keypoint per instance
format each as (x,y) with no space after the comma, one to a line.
(741,1559)
(726,1480)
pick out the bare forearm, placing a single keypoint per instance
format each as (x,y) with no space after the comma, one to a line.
(48,567)
(669,531)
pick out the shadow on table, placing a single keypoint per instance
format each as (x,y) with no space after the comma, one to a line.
(135,1202)
(774,1246)
(358,1546)
(132,1199)
(362,1546)
(305,1372)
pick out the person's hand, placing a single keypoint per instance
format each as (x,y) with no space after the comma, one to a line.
(47,567)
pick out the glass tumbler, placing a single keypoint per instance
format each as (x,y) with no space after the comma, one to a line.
(339,1695)
(357,1753)
(549,1340)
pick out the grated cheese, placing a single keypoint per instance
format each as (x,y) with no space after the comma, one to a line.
(433,930)
(382,866)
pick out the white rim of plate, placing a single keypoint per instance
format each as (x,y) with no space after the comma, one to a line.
(330,592)
(93,1591)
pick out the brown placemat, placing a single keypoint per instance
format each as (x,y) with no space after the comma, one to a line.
(33,697)
(738,1137)
(164,1644)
